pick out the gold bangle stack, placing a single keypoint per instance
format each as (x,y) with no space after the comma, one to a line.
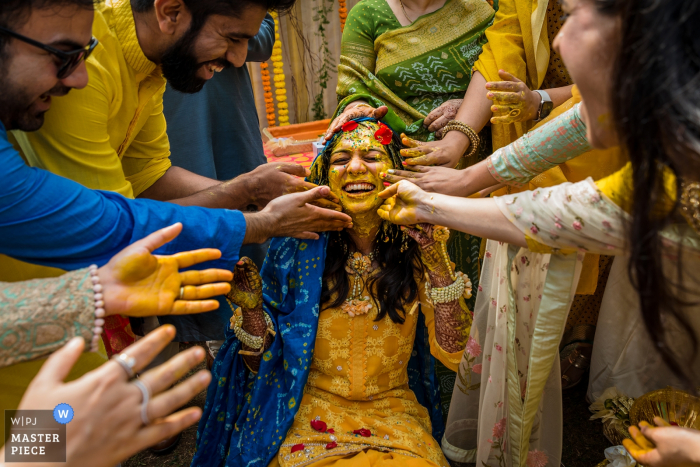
(456,125)
(254,342)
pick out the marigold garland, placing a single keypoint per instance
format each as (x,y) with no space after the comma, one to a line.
(343,13)
(269,104)
(278,69)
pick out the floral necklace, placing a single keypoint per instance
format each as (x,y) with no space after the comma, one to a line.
(355,304)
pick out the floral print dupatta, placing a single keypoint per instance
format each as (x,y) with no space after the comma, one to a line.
(506,406)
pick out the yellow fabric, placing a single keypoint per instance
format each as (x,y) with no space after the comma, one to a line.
(15,379)
(369,458)
(517,43)
(110,135)
(359,379)
(619,187)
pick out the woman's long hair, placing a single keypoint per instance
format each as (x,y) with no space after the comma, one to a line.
(395,284)
(656,110)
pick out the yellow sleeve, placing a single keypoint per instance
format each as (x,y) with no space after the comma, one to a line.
(450,360)
(619,187)
(505,49)
(148,157)
(74,141)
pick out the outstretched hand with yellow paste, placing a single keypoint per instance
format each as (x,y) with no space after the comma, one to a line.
(405,204)
(138,283)
(512,100)
(664,445)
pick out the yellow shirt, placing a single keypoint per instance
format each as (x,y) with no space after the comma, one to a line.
(111,135)
(359,379)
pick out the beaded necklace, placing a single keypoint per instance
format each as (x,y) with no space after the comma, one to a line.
(355,304)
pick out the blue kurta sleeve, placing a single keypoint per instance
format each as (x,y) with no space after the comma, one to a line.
(50,220)
(260,46)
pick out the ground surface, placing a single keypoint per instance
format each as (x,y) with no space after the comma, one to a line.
(584,442)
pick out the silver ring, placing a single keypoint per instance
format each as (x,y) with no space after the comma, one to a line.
(126,362)
(146,393)
(182,293)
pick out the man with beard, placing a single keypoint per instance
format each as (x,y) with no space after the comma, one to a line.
(53,221)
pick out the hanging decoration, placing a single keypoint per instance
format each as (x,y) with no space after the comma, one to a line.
(327,62)
(278,69)
(267,93)
(343,13)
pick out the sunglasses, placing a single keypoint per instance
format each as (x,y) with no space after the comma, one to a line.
(69,61)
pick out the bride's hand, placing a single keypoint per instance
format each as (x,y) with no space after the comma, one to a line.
(445,153)
(352,111)
(405,204)
(136,282)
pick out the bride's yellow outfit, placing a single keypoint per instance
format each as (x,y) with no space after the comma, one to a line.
(359,380)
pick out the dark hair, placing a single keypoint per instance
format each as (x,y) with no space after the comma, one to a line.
(14,13)
(395,284)
(202,9)
(655,110)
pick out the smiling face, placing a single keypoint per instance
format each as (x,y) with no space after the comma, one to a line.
(588,42)
(28,77)
(356,161)
(220,43)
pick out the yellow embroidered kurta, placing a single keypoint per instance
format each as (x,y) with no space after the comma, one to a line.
(359,379)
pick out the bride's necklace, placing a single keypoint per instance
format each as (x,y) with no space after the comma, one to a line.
(404,12)
(355,304)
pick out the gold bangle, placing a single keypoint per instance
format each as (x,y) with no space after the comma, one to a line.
(474,140)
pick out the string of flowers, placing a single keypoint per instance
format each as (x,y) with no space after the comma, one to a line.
(343,13)
(327,63)
(278,69)
(269,103)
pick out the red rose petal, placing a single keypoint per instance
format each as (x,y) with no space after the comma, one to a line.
(383,134)
(332,445)
(349,126)
(364,432)
(297,447)
(331,431)
(319,425)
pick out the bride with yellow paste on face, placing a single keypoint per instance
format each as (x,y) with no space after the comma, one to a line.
(340,334)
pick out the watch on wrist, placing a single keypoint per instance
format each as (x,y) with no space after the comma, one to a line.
(546,105)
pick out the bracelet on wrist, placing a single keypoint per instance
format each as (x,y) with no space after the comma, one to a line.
(474,140)
(250,341)
(99,308)
(461,287)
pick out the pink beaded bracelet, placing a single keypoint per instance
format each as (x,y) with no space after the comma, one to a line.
(99,308)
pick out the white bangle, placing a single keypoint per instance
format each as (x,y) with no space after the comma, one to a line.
(99,308)
(462,286)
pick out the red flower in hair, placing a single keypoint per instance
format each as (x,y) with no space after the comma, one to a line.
(364,432)
(298,447)
(332,445)
(349,126)
(319,425)
(383,134)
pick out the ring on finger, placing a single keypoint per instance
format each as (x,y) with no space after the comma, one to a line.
(146,393)
(126,362)
(182,293)
(514,112)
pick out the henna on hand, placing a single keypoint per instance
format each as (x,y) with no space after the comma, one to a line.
(452,319)
(246,292)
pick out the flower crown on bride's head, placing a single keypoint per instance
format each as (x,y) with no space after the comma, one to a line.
(381,132)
